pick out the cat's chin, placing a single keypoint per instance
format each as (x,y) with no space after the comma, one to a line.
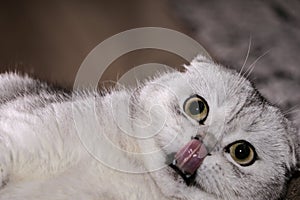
(187,180)
(174,183)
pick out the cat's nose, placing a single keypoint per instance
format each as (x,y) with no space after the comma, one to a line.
(189,158)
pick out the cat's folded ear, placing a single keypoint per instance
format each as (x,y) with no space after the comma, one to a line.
(200,58)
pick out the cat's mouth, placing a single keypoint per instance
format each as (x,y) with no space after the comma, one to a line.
(188,159)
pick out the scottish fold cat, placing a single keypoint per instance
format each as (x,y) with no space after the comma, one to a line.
(202,134)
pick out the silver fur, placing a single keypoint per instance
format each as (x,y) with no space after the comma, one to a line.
(42,157)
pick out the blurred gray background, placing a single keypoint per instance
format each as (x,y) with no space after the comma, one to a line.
(50,39)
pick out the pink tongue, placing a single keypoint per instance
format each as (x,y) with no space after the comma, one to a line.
(190,157)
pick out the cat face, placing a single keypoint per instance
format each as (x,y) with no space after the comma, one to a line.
(250,145)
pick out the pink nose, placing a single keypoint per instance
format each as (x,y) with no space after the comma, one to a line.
(190,157)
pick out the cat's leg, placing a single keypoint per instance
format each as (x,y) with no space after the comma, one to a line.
(12,86)
(72,184)
(34,136)
(37,144)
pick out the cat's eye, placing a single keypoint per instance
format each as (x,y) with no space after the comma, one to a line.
(196,107)
(242,153)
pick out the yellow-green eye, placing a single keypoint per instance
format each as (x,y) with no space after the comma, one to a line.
(196,107)
(242,153)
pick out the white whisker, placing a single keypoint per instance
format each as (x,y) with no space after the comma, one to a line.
(247,73)
(252,66)
(291,110)
(242,68)
(247,56)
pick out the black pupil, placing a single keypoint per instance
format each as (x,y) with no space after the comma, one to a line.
(242,151)
(196,107)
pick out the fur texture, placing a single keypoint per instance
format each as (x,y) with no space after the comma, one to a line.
(84,145)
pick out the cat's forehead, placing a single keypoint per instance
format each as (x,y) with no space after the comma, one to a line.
(226,91)
(216,84)
(210,77)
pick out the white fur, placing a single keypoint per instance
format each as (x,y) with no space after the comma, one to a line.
(47,154)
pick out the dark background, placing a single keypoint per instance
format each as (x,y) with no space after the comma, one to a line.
(50,39)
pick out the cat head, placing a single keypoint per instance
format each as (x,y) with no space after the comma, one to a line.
(251,147)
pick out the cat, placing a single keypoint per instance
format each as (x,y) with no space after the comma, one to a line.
(202,134)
